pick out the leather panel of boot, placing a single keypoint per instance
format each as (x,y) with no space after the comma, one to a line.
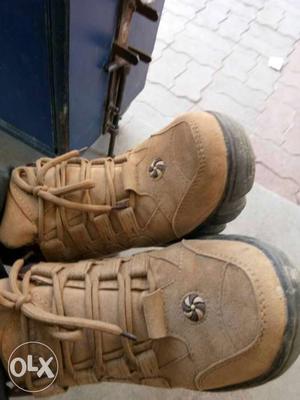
(199,314)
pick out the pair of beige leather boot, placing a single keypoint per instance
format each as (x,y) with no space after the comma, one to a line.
(205,312)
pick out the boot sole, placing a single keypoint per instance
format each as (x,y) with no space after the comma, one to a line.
(289,277)
(240,177)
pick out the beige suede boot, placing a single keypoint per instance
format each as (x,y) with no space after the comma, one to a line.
(189,178)
(200,314)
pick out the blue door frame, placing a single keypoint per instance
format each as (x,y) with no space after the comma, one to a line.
(54,81)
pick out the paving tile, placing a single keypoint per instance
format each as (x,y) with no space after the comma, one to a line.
(191,83)
(239,63)
(262,77)
(244,9)
(291,78)
(165,69)
(270,15)
(292,7)
(276,159)
(284,187)
(294,3)
(264,48)
(223,103)
(288,95)
(258,4)
(211,38)
(294,60)
(267,41)
(177,7)
(233,27)
(292,137)
(275,120)
(289,25)
(197,4)
(162,100)
(170,26)
(270,35)
(239,92)
(200,51)
(212,15)
(158,49)
(257,44)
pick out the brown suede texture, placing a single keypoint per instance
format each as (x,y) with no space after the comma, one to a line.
(157,210)
(237,339)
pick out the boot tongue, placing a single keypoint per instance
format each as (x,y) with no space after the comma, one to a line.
(120,188)
(133,168)
(153,305)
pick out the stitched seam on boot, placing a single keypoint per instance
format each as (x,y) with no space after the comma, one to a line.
(261,303)
(199,172)
(17,198)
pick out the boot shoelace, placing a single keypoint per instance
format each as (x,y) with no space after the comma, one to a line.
(70,329)
(55,195)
